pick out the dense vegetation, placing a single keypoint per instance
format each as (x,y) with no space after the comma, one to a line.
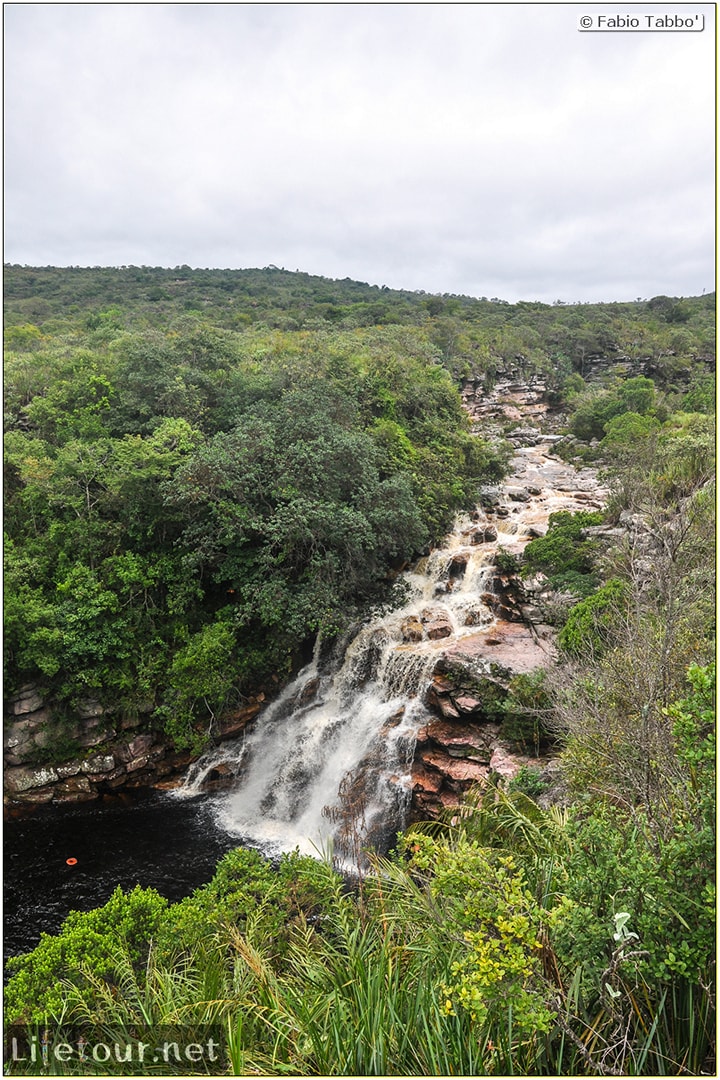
(207,468)
(509,940)
(187,506)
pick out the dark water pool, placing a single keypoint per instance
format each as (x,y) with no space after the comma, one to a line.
(170,844)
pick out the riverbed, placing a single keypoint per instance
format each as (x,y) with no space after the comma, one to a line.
(173,844)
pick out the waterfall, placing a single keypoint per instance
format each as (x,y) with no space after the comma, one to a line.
(328,763)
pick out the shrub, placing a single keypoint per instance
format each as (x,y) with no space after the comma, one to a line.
(90,944)
(590,623)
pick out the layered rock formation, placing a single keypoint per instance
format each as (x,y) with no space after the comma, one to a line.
(110,754)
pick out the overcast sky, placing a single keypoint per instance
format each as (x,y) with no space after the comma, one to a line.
(486,149)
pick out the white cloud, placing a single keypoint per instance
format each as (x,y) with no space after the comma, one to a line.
(488,149)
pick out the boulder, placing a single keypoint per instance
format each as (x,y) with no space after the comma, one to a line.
(412,629)
(28,700)
(24,779)
(437,624)
(458,564)
(99,764)
(468,741)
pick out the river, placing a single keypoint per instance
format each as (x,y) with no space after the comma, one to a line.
(169,844)
(336,738)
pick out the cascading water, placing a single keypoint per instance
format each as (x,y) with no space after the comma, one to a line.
(328,763)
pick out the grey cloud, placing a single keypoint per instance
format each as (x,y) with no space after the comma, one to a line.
(485,149)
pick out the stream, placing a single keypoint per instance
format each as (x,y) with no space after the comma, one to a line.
(327,766)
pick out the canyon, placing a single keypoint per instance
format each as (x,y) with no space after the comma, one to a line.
(469,628)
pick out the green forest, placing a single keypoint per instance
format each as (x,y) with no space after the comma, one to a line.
(207,469)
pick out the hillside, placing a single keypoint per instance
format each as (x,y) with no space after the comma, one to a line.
(210,472)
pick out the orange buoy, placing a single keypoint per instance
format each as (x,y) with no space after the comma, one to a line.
(71,862)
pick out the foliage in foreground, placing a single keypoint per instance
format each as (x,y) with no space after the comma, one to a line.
(504,939)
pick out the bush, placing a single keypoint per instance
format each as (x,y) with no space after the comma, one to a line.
(506,562)
(594,409)
(92,944)
(563,548)
(525,710)
(529,781)
(590,623)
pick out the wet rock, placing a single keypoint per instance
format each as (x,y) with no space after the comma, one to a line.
(475,617)
(100,763)
(517,494)
(76,789)
(34,796)
(393,720)
(307,694)
(23,779)
(427,781)
(233,723)
(458,565)
(412,629)
(437,624)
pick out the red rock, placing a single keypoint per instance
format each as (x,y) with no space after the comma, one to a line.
(425,781)
(511,645)
(232,723)
(460,740)
(505,763)
(447,708)
(467,704)
(457,769)
(438,625)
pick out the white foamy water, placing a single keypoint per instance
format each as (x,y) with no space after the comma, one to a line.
(328,763)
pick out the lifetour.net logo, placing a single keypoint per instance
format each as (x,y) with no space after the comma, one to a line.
(187,1050)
